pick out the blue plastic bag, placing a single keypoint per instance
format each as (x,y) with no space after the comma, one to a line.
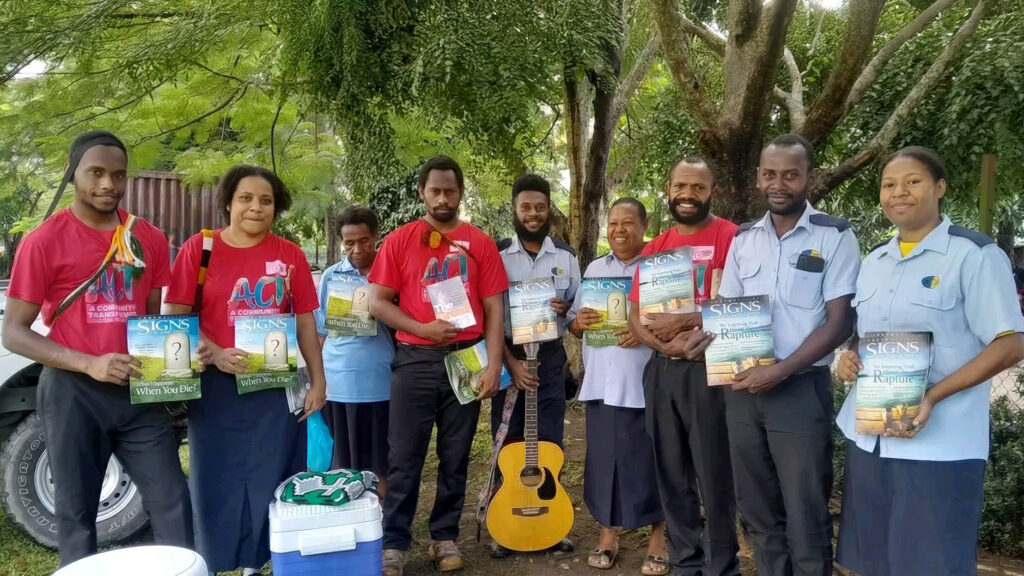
(319,444)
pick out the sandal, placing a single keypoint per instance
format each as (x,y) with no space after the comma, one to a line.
(654,565)
(602,558)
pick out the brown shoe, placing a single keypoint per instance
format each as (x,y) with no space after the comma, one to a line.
(446,556)
(392,562)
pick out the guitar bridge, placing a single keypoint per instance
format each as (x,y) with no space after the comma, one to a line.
(530,511)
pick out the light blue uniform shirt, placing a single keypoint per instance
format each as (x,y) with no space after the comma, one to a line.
(553,261)
(611,374)
(958,285)
(761,263)
(358,368)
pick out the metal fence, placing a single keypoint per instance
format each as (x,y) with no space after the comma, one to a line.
(1008,384)
(160,198)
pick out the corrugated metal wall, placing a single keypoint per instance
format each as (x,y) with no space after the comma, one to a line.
(160,198)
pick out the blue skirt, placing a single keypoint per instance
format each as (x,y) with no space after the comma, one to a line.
(910,517)
(619,482)
(240,448)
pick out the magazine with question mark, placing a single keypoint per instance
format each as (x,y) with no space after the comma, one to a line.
(167,348)
(273,352)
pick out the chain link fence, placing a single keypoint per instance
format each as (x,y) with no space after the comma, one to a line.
(1008,384)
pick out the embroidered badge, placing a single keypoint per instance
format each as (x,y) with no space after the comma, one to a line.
(277,268)
(812,252)
(931,282)
(556,271)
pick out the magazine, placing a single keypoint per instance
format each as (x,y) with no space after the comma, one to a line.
(892,384)
(464,368)
(347,311)
(273,352)
(666,283)
(533,319)
(167,347)
(743,336)
(608,297)
(451,303)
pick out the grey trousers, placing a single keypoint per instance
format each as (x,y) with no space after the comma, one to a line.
(85,421)
(782,464)
(686,423)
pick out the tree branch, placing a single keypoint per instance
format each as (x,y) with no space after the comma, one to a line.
(273,127)
(827,110)
(874,67)
(714,41)
(234,96)
(675,46)
(632,80)
(881,141)
(795,97)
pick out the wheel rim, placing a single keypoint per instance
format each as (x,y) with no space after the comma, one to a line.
(116,494)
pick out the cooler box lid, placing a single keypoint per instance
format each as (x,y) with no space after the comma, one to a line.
(324,529)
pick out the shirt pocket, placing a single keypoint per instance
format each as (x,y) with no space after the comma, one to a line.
(804,290)
(749,274)
(562,285)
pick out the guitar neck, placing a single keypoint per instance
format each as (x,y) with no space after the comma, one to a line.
(530,422)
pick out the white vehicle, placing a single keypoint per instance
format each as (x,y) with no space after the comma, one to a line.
(26,489)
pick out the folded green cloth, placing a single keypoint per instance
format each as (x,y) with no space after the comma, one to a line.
(331,488)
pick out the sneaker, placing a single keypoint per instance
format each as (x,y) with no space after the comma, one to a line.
(392,562)
(498,551)
(445,555)
(565,546)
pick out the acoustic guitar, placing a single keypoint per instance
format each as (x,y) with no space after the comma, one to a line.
(531,510)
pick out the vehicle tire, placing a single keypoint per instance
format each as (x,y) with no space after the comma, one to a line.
(27,495)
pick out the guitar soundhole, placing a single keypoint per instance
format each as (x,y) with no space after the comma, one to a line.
(531,476)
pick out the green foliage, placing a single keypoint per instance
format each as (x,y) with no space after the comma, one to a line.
(1002,520)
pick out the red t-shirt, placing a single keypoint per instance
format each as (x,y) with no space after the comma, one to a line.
(407,264)
(710,247)
(242,282)
(62,253)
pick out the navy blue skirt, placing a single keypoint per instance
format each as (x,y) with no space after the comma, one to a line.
(240,448)
(910,517)
(360,433)
(619,482)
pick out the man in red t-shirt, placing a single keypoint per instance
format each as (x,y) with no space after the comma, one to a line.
(63,270)
(435,248)
(686,417)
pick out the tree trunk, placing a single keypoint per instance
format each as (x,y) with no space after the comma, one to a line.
(735,168)
(577,120)
(331,235)
(595,188)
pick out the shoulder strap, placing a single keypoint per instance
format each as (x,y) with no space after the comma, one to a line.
(563,246)
(120,249)
(978,238)
(204,263)
(821,219)
(745,226)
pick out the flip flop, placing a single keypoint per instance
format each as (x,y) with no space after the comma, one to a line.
(654,565)
(597,557)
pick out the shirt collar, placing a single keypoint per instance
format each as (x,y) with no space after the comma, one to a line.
(765,223)
(937,241)
(546,246)
(343,267)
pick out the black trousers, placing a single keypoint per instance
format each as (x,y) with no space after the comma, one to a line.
(550,398)
(686,423)
(85,421)
(420,398)
(782,462)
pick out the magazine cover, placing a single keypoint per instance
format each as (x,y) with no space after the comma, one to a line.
(533,319)
(743,336)
(464,368)
(451,303)
(666,283)
(608,297)
(347,312)
(891,386)
(166,346)
(273,352)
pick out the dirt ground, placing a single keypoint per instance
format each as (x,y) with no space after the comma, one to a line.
(632,544)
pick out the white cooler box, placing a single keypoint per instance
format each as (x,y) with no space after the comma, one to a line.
(318,540)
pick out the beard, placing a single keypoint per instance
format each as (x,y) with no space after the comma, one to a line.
(703,209)
(443,217)
(794,206)
(528,236)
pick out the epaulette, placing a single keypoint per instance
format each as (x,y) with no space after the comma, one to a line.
(973,235)
(879,245)
(745,226)
(503,244)
(563,245)
(830,221)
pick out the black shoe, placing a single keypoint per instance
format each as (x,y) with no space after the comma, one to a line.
(498,551)
(565,546)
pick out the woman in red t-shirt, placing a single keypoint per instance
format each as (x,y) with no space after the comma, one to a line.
(243,445)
